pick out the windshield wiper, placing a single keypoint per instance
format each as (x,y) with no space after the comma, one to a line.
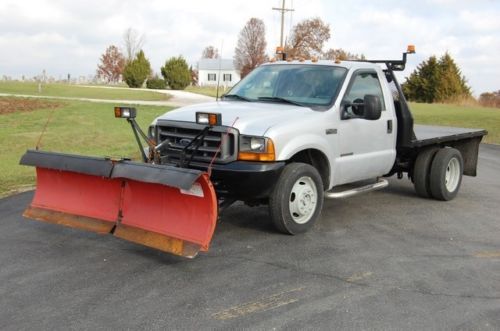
(279,99)
(236,96)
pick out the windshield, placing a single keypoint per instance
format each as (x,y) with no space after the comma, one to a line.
(304,85)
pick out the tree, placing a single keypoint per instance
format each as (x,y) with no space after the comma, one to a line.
(210,52)
(137,70)
(436,81)
(308,38)
(452,84)
(250,51)
(421,86)
(490,99)
(111,65)
(133,42)
(194,76)
(176,73)
(342,55)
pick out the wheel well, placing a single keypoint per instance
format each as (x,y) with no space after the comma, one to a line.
(318,160)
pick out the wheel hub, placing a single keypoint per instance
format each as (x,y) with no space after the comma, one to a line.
(303,200)
(452,175)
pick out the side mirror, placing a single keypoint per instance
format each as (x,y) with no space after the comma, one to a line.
(372,107)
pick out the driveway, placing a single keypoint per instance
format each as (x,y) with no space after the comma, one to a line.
(178,99)
(385,260)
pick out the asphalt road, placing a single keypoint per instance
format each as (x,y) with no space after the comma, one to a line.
(385,260)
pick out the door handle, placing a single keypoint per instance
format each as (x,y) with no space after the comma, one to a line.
(389,126)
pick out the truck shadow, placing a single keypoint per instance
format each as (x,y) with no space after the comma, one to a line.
(241,216)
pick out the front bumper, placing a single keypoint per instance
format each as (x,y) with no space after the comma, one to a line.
(244,180)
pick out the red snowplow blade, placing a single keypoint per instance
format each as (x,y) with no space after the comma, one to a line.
(167,208)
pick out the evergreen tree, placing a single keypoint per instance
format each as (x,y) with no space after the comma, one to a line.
(452,84)
(176,73)
(436,81)
(421,86)
(137,70)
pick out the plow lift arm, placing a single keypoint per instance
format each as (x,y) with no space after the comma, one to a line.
(154,155)
(172,209)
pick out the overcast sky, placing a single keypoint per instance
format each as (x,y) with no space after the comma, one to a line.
(69,36)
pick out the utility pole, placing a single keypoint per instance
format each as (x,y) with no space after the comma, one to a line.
(283,10)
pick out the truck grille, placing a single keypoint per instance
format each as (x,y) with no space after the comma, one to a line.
(179,134)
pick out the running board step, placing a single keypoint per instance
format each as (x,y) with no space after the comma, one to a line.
(380,184)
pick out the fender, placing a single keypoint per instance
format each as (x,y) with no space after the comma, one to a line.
(287,147)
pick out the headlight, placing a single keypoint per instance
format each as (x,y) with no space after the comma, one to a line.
(256,149)
(252,144)
(257,144)
(125,112)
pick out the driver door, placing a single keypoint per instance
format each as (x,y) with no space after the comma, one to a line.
(366,147)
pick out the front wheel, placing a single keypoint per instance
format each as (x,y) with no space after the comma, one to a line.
(296,201)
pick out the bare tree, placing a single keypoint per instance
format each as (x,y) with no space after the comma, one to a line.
(250,51)
(342,55)
(133,42)
(111,64)
(308,38)
(194,76)
(210,52)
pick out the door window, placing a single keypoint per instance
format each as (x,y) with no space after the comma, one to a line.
(362,84)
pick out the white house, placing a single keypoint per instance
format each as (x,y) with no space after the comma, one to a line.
(210,69)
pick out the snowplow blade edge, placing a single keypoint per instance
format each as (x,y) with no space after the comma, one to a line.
(167,208)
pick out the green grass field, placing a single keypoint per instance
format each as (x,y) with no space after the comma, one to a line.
(91,129)
(76,127)
(206,90)
(75,91)
(460,116)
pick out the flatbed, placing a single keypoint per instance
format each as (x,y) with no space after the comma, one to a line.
(427,135)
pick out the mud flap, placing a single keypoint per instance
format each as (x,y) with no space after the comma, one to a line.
(167,208)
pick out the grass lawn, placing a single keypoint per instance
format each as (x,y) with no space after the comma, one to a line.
(460,116)
(75,91)
(207,90)
(77,127)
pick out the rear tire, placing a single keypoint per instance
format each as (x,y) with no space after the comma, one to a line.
(297,199)
(446,174)
(421,172)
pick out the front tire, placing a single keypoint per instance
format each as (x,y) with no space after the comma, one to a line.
(446,174)
(297,199)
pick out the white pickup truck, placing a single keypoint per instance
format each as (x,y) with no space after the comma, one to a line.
(293,133)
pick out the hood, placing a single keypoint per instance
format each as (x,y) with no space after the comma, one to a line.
(253,118)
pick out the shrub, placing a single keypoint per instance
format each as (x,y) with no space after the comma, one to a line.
(156,83)
(176,73)
(137,70)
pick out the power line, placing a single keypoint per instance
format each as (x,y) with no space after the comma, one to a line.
(283,10)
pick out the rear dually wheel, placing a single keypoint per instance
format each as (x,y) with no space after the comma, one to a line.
(446,174)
